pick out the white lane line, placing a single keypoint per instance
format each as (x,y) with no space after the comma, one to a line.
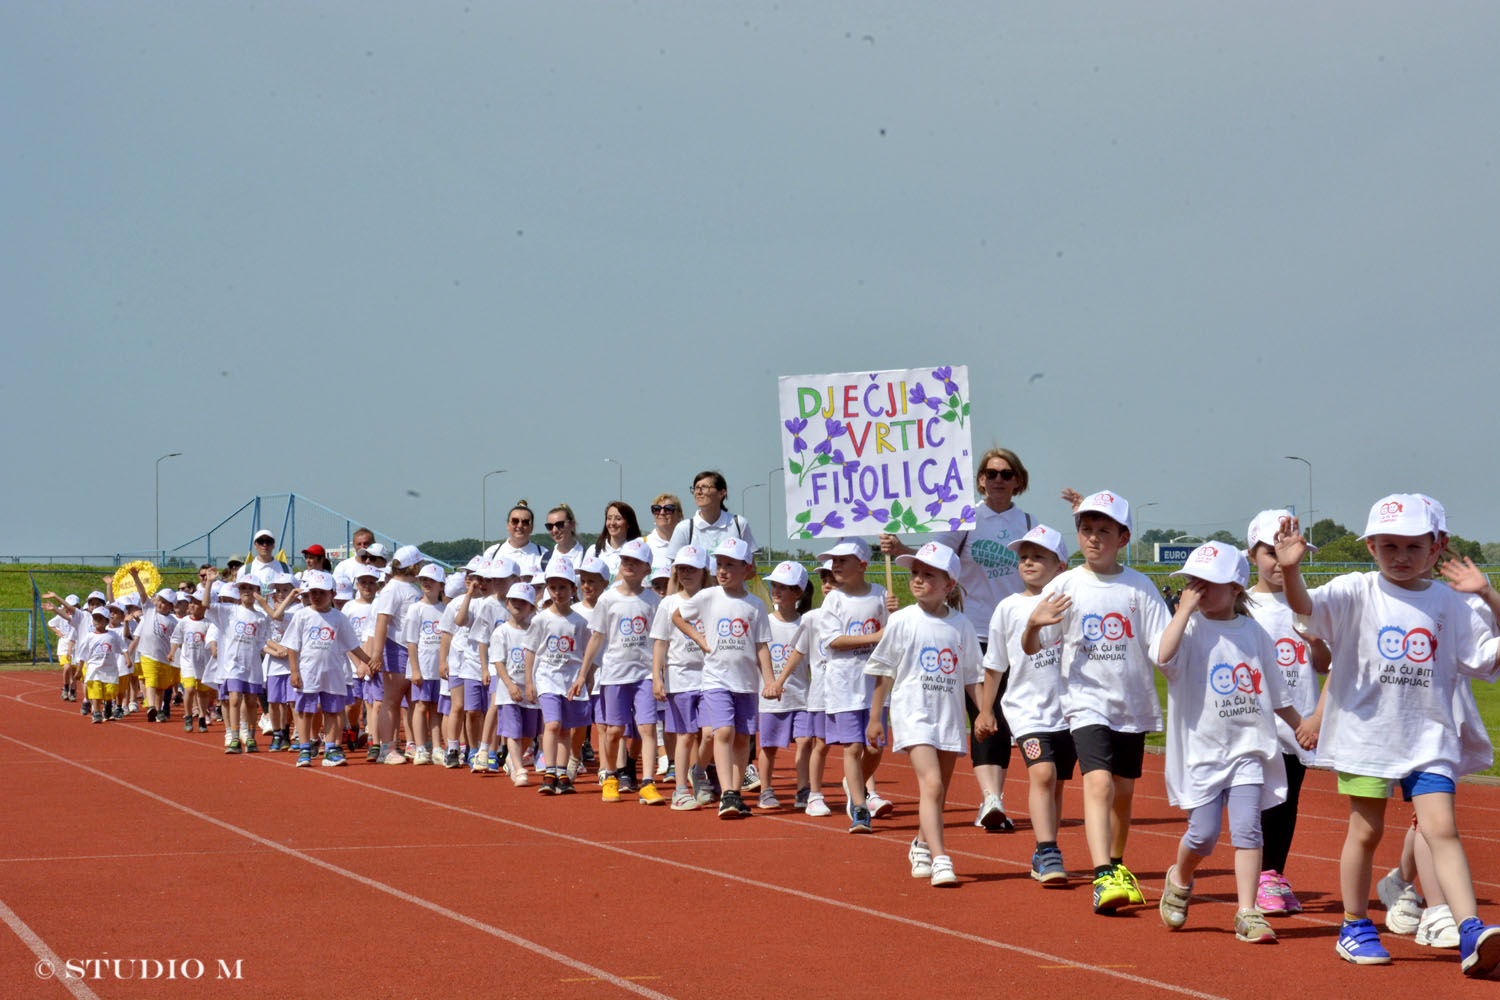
(48,964)
(390,890)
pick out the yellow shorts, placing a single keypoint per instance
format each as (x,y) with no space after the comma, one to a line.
(157,674)
(100,691)
(189,684)
(64,660)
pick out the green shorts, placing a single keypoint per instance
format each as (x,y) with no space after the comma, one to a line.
(1363,786)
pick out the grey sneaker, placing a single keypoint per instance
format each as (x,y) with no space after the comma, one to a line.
(1174,903)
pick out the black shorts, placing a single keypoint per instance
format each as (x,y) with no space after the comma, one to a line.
(994,750)
(1049,748)
(1101,748)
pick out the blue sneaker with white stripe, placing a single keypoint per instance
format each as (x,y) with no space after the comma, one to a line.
(1359,942)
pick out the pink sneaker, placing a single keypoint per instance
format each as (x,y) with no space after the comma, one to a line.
(1268,897)
(1289,901)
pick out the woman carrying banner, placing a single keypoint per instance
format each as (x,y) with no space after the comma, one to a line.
(987,573)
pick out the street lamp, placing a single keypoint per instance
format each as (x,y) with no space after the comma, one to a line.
(163,458)
(1308,518)
(484,505)
(747,489)
(621,494)
(1140,548)
(770,500)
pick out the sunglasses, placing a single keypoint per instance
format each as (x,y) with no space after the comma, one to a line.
(556,524)
(663,508)
(1005,474)
(520,521)
(265,541)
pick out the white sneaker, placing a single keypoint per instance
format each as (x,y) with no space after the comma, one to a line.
(573,766)
(264,723)
(942,871)
(518,778)
(752,779)
(878,806)
(421,757)
(992,815)
(768,800)
(395,756)
(1437,928)
(816,806)
(661,766)
(920,858)
(1403,904)
(134,707)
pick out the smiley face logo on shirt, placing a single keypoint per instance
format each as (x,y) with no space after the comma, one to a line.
(1116,627)
(1093,628)
(927,659)
(1420,645)
(947,661)
(738,627)
(1246,678)
(778,652)
(1221,678)
(725,624)
(1290,652)
(1391,642)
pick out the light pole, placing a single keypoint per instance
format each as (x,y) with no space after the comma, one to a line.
(621,495)
(747,489)
(770,500)
(484,504)
(1140,552)
(1308,519)
(163,458)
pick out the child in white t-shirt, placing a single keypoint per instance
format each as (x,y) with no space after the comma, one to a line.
(1032,703)
(318,640)
(1110,617)
(423,660)
(190,655)
(1400,642)
(849,627)
(735,642)
(554,655)
(927,659)
(784,718)
(811,798)
(99,654)
(1222,751)
(1301,658)
(517,721)
(676,679)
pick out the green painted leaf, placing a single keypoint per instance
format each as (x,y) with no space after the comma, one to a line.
(909,518)
(823,459)
(795,468)
(950,416)
(893,527)
(803,517)
(966,409)
(896,509)
(953,400)
(923,529)
(804,534)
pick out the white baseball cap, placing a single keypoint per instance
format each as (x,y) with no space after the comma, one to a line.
(476,564)
(1111,505)
(248,581)
(71,600)
(691,555)
(166,594)
(733,548)
(101,612)
(856,547)
(130,600)
(285,579)
(199,596)
(262,533)
(1402,514)
(825,566)
(432,571)
(455,585)
(934,554)
(1264,527)
(595,565)
(790,574)
(499,568)
(539,579)
(377,550)
(1217,562)
(95,595)
(638,549)
(561,568)
(1048,538)
(366,569)
(407,555)
(317,579)
(661,569)
(521,592)
(343,593)
(1436,512)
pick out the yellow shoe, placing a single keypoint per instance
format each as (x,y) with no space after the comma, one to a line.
(1131,885)
(611,789)
(1110,892)
(649,796)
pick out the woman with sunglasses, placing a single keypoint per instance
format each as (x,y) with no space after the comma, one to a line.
(987,573)
(562,526)
(517,542)
(666,511)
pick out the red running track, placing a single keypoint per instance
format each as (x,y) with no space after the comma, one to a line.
(145,844)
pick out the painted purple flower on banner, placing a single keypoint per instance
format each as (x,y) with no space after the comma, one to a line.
(795,427)
(863,512)
(917,394)
(830,520)
(860,511)
(965,516)
(945,376)
(832,427)
(944,495)
(933,508)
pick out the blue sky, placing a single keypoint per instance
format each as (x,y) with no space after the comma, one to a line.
(356,250)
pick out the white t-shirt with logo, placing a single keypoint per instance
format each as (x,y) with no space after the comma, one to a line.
(986,568)
(322,640)
(508,653)
(817,656)
(394,599)
(734,627)
(1108,638)
(624,622)
(932,660)
(155,631)
(684,671)
(786,637)
(242,641)
(1223,687)
(557,642)
(846,688)
(1032,702)
(1397,658)
(421,629)
(101,654)
(191,636)
(1294,657)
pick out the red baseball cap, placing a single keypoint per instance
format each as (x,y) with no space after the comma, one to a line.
(314,550)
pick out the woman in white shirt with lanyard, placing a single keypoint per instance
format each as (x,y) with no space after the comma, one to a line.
(987,573)
(713,523)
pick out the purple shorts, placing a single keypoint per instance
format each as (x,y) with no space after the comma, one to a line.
(596,708)
(849,727)
(372,689)
(779,729)
(474,696)
(818,722)
(572,714)
(319,701)
(279,689)
(718,709)
(630,704)
(682,712)
(395,657)
(445,704)
(519,722)
(233,686)
(424,691)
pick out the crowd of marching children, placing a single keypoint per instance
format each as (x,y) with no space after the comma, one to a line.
(655,649)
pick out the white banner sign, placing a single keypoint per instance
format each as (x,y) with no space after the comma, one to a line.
(867,452)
